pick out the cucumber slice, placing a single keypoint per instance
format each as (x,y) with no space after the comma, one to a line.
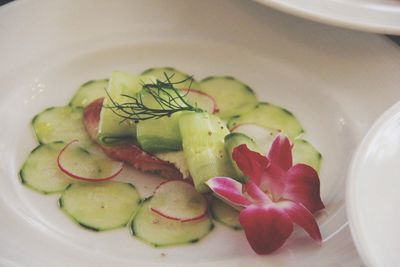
(225,214)
(270,116)
(60,124)
(160,231)
(233,140)
(81,164)
(40,171)
(112,128)
(77,160)
(203,145)
(88,92)
(262,136)
(178,200)
(100,206)
(159,135)
(304,152)
(233,97)
(175,76)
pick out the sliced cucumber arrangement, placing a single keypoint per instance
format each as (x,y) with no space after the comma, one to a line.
(88,92)
(60,124)
(160,231)
(178,78)
(100,206)
(233,97)
(164,121)
(40,171)
(225,214)
(270,116)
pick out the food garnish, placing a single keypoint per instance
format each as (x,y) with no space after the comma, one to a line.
(156,100)
(275,196)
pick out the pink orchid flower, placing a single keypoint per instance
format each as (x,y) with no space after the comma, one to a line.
(275,196)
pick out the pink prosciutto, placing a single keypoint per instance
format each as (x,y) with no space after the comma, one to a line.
(130,154)
(276,196)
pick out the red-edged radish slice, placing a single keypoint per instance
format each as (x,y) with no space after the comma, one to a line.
(201,100)
(178,200)
(83,165)
(262,136)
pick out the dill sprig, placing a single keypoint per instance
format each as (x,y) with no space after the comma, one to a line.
(167,100)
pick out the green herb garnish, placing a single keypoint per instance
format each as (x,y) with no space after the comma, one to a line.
(165,100)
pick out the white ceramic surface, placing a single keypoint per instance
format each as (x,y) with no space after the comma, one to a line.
(380,16)
(329,77)
(373,192)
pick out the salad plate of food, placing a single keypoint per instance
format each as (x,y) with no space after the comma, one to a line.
(162,140)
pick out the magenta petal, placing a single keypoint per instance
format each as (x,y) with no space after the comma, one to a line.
(251,163)
(255,193)
(302,186)
(302,217)
(272,181)
(228,189)
(280,152)
(266,228)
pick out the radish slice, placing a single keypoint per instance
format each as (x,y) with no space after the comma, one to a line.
(84,165)
(201,100)
(178,200)
(262,136)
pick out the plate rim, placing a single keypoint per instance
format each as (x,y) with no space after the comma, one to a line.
(351,184)
(330,18)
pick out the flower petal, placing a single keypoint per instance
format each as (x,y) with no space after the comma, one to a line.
(266,227)
(302,186)
(251,163)
(228,189)
(302,217)
(272,181)
(256,194)
(280,152)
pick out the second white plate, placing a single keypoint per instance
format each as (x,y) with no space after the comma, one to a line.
(373,192)
(380,16)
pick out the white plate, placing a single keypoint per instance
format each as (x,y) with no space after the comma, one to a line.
(380,16)
(337,82)
(373,192)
